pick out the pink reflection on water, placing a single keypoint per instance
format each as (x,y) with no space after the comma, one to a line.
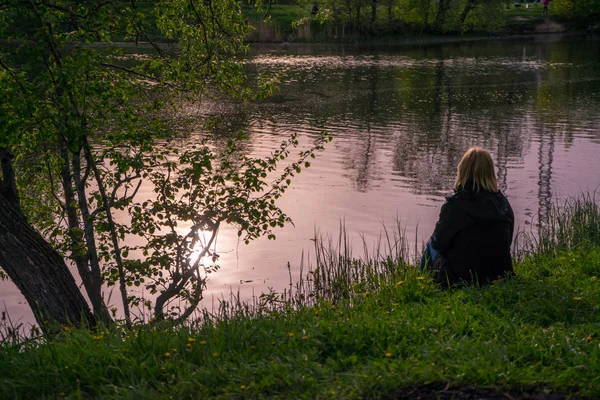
(400,125)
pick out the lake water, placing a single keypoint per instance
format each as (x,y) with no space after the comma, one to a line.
(401,118)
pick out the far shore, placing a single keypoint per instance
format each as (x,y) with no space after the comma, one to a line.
(397,41)
(424,40)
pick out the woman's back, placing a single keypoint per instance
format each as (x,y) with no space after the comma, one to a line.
(475,229)
(474,235)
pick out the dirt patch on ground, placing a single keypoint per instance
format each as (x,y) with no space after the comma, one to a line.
(550,27)
(442,392)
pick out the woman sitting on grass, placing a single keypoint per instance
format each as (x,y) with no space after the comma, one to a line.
(471,241)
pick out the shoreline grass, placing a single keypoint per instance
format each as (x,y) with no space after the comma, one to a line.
(537,332)
(382,331)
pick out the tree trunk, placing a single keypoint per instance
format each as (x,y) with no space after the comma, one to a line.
(95,276)
(113,231)
(79,252)
(468,8)
(8,184)
(35,267)
(443,6)
(373,14)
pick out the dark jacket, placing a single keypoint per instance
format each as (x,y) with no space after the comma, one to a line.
(474,234)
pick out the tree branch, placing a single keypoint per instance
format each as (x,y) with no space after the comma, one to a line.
(130,71)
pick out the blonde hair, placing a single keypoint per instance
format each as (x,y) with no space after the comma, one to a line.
(476,166)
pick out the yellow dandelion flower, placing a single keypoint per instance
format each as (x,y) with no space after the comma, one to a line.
(174,350)
(316,312)
(388,355)
(66,328)
(420,278)
(593,278)
(291,334)
(189,345)
(215,354)
(399,283)
(577,298)
(422,329)
(113,311)
(167,354)
(589,338)
(243,387)
(203,342)
(304,337)
(97,337)
(191,340)
(366,294)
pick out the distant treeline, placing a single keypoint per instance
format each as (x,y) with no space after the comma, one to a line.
(401,16)
(339,18)
(280,20)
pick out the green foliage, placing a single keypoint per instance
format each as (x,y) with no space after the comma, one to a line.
(281,15)
(564,8)
(349,19)
(418,12)
(88,123)
(583,11)
(488,16)
(202,189)
(356,17)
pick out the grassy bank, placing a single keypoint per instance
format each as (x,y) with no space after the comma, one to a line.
(536,333)
(356,328)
